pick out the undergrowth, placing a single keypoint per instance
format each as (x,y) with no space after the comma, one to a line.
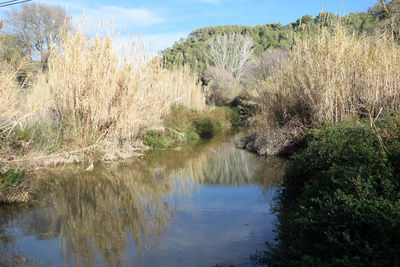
(184,124)
(340,202)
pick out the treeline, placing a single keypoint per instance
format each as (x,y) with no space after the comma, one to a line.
(190,51)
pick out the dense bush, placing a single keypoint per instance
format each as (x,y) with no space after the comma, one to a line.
(183,124)
(222,85)
(340,202)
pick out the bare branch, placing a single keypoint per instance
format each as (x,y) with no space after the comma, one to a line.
(37,27)
(230,52)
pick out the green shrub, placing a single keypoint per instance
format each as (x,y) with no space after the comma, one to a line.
(339,205)
(11,177)
(155,139)
(206,127)
(40,136)
(235,117)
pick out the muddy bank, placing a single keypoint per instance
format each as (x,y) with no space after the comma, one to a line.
(279,143)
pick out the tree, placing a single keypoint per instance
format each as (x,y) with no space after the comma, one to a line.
(231,52)
(326,19)
(388,15)
(36,26)
(10,49)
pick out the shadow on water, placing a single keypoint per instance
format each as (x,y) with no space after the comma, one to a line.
(105,216)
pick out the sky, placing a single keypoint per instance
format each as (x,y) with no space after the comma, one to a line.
(165,21)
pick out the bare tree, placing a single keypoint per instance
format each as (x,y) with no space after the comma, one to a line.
(230,52)
(37,27)
(259,69)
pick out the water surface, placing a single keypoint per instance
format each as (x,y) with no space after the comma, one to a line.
(197,205)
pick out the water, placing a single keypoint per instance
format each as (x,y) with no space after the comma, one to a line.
(197,205)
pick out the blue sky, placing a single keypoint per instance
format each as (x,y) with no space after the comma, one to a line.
(164,22)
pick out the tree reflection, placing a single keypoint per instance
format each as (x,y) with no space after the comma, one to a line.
(97,215)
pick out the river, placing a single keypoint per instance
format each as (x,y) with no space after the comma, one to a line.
(195,205)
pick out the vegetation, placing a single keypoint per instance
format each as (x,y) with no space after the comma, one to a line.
(91,102)
(190,51)
(183,124)
(36,28)
(331,76)
(340,201)
(206,50)
(90,98)
(326,96)
(13,186)
(230,52)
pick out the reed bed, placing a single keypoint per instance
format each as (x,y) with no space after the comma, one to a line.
(329,77)
(9,98)
(101,93)
(94,94)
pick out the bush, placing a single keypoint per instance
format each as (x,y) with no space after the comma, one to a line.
(155,139)
(223,86)
(340,204)
(205,127)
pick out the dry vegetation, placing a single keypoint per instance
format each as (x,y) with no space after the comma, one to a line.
(329,77)
(93,98)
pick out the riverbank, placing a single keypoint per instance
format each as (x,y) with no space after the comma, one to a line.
(95,103)
(340,202)
(333,107)
(180,125)
(191,205)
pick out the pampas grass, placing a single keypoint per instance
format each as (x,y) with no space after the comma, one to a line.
(93,93)
(331,76)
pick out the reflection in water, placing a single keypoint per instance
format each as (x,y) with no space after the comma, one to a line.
(96,216)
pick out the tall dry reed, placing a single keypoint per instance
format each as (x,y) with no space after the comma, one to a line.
(9,98)
(102,92)
(331,76)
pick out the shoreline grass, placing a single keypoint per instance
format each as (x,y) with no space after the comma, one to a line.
(93,102)
(327,78)
(91,99)
(342,191)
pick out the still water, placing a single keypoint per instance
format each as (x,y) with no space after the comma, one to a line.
(197,205)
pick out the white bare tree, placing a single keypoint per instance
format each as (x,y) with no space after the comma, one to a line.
(230,52)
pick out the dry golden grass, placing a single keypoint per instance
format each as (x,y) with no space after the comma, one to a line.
(9,98)
(94,94)
(101,93)
(332,76)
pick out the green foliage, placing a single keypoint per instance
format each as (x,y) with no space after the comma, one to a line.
(10,178)
(39,136)
(215,121)
(340,204)
(205,127)
(387,16)
(155,139)
(184,124)
(235,117)
(11,49)
(190,51)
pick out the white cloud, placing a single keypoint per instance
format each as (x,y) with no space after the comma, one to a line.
(164,40)
(122,18)
(154,43)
